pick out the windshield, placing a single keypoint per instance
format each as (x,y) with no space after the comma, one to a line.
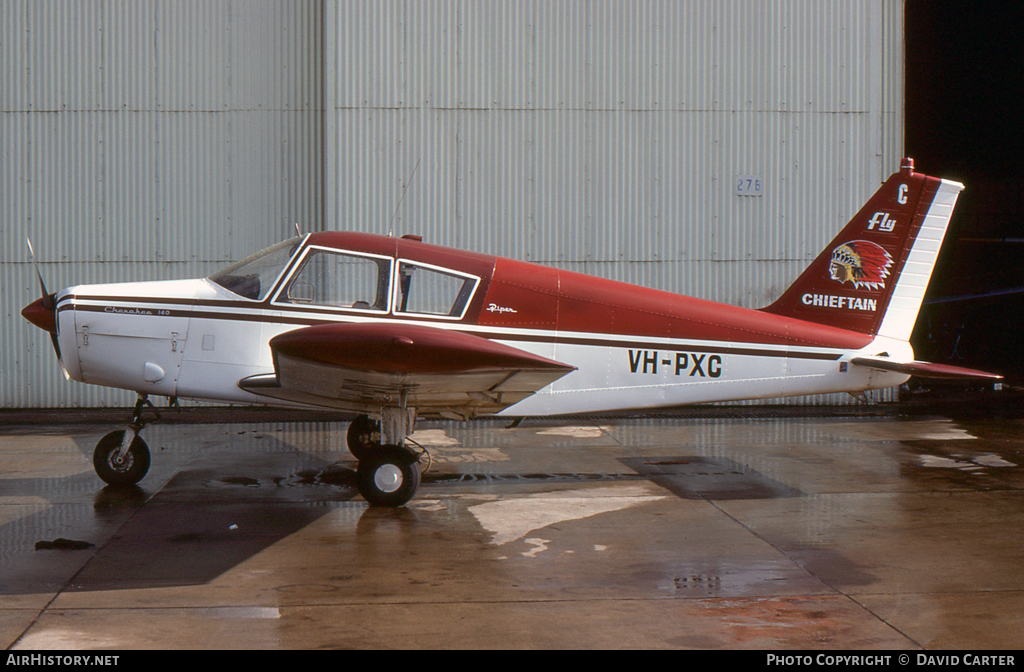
(253,277)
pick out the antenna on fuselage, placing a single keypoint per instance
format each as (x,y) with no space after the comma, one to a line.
(391,231)
(298,231)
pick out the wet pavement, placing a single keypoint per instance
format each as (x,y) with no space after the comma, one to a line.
(793,532)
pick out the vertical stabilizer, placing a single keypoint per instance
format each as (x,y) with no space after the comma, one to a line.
(872,277)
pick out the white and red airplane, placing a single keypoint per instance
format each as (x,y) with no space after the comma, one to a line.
(395,329)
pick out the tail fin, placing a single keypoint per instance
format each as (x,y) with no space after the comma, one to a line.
(873,275)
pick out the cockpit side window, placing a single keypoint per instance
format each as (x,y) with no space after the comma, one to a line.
(432,291)
(254,276)
(340,280)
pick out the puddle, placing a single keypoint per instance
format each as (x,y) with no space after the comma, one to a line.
(947,434)
(467,455)
(433,437)
(574,432)
(696,477)
(965,463)
(336,476)
(992,460)
(522,479)
(511,519)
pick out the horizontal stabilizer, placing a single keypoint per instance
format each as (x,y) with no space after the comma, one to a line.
(926,369)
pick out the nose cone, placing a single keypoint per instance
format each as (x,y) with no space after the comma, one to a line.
(40,315)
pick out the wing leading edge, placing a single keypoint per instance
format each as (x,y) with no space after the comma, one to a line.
(439,372)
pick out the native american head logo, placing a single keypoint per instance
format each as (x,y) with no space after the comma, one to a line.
(862,263)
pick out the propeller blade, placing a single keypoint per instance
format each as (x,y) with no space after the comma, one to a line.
(60,359)
(47,299)
(49,304)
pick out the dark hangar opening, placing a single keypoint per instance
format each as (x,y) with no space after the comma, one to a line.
(964,120)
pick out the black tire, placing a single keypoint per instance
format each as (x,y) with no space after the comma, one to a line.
(134,467)
(363,437)
(389,477)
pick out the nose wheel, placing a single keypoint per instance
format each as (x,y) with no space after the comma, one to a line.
(121,467)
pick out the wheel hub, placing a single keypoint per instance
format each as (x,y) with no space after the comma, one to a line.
(388,478)
(120,463)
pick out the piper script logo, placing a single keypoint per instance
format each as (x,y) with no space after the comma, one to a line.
(861,263)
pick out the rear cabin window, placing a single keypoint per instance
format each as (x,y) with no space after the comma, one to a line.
(430,291)
(340,280)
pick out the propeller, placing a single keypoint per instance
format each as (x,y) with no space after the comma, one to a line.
(42,312)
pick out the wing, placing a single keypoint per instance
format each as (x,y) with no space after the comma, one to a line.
(925,369)
(439,372)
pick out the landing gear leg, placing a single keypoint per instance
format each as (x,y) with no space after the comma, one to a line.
(363,437)
(122,457)
(388,473)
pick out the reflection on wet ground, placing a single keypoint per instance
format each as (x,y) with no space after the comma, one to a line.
(865,532)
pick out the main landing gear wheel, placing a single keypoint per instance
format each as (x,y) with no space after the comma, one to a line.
(388,477)
(363,437)
(117,470)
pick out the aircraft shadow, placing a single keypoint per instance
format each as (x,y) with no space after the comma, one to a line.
(219,510)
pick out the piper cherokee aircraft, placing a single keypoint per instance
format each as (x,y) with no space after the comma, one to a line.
(395,329)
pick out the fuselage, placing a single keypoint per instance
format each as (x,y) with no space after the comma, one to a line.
(632,347)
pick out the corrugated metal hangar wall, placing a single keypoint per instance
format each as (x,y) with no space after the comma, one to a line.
(158,139)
